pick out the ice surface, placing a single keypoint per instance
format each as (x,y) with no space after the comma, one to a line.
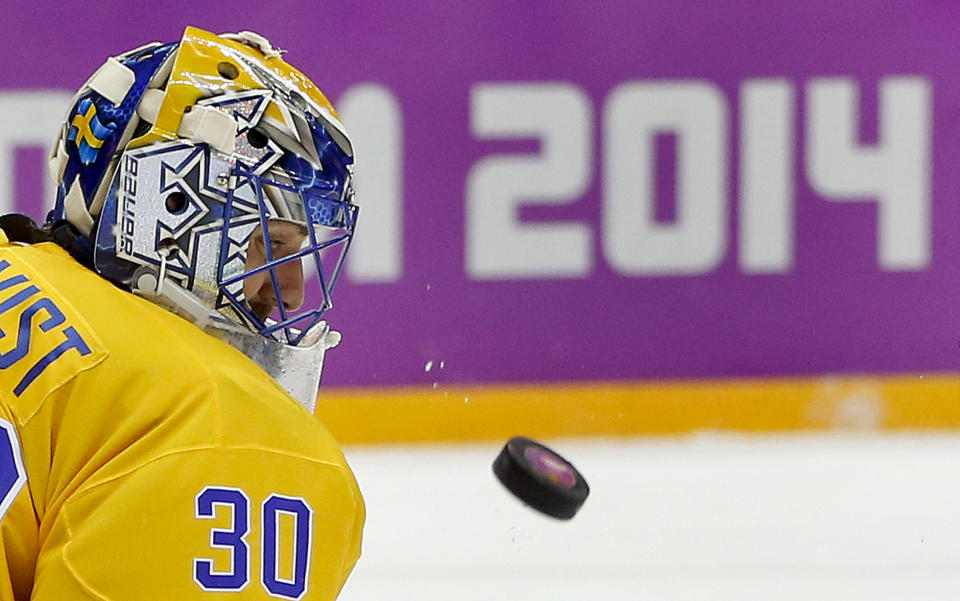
(838,516)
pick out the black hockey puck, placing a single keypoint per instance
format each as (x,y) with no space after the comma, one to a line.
(541,478)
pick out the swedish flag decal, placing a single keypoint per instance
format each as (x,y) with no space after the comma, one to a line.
(87,132)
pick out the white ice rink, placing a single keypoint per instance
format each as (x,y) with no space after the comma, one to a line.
(711,517)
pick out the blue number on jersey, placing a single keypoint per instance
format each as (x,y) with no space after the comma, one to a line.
(238,575)
(12,473)
(303,520)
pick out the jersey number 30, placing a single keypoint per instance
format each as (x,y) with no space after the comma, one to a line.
(237,575)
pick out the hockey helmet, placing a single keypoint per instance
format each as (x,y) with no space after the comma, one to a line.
(174,160)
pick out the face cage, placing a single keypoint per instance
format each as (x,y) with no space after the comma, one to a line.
(290,328)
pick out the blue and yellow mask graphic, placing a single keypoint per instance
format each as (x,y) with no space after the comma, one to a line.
(87,132)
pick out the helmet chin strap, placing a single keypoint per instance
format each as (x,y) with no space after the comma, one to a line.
(296,369)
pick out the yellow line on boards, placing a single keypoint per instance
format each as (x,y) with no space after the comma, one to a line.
(495,412)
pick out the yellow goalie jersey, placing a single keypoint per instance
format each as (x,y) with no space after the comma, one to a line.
(141,458)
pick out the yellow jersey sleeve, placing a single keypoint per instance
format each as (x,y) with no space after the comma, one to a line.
(209,523)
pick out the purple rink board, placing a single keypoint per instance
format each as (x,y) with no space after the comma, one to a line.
(724,190)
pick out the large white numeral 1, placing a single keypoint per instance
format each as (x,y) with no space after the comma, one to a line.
(766,219)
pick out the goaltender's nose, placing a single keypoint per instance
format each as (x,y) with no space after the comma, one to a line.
(290,281)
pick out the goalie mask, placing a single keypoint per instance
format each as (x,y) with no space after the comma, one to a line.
(205,175)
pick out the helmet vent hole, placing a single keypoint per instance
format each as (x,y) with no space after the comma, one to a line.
(228,70)
(299,101)
(142,128)
(176,203)
(168,248)
(257,138)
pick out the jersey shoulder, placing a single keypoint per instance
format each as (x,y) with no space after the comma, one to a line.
(58,319)
(45,341)
(140,381)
